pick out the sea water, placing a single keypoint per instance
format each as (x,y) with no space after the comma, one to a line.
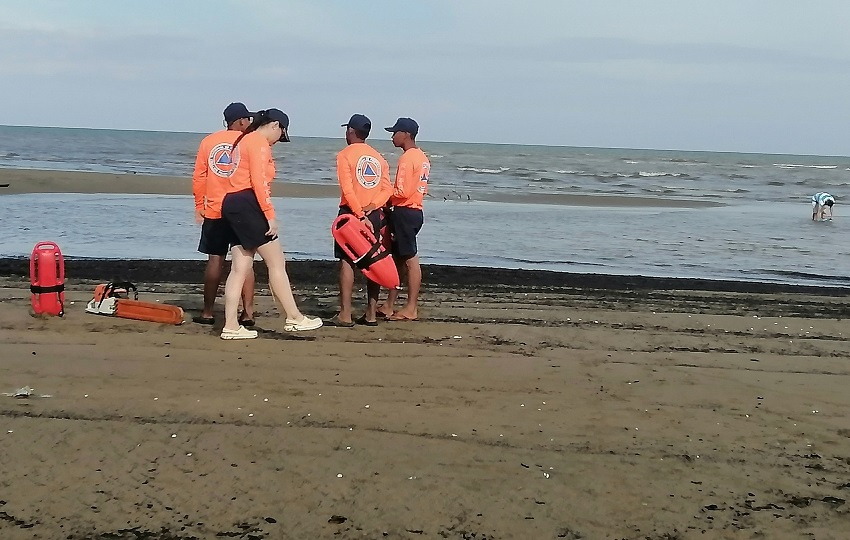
(760,228)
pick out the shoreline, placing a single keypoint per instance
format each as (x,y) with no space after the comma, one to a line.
(35,181)
(605,289)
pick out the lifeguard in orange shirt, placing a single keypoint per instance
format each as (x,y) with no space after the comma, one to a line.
(406,218)
(214,164)
(247,208)
(364,182)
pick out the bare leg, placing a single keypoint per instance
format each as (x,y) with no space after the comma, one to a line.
(372,292)
(412,273)
(272,254)
(240,267)
(414,283)
(346,289)
(248,296)
(212,277)
(388,307)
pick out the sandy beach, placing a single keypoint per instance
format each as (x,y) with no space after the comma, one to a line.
(516,411)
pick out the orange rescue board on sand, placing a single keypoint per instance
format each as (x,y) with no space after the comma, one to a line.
(111,299)
(367,252)
(47,279)
(148,311)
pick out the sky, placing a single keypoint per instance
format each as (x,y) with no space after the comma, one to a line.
(767,76)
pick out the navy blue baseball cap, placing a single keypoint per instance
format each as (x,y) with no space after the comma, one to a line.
(281,118)
(407,125)
(236,111)
(359,122)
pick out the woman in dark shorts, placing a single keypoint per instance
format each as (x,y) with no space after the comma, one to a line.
(248,210)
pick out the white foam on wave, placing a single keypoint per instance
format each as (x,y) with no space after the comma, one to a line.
(795,166)
(561,171)
(632,162)
(483,170)
(652,174)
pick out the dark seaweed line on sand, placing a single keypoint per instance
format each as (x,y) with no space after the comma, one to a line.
(325,273)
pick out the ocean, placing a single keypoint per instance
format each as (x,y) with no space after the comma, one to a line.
(727,215)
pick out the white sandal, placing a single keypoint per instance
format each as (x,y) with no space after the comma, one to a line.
(239,333)
(307,323)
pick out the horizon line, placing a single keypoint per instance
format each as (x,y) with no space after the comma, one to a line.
(459,142)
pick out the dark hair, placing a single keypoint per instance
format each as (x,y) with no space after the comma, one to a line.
(260,119)
(829,202)
(361,133)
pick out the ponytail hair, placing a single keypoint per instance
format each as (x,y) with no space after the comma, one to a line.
(260,119)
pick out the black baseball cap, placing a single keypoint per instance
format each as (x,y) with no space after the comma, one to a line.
(406,125)
(281,118)
(359,122)
(236,111)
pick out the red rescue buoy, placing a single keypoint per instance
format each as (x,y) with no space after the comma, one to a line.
(47,279)
(368,253)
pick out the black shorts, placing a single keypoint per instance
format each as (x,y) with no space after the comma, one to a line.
(216,237)
(405,224)
(376,217)
(242,212)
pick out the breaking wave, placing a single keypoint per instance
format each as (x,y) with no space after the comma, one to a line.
(795,166)
(482,170)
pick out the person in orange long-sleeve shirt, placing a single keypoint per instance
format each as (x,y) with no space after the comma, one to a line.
(214,164)
(405,217)
(364,182)
(248,209)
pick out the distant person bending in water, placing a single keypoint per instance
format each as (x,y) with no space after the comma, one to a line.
(820,202)
(214,164)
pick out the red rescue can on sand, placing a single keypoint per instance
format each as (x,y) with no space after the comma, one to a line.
(366,251)
(47,279)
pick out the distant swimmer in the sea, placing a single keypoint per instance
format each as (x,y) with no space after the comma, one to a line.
(405,217)
(247,209)
(213,166)
(821,202)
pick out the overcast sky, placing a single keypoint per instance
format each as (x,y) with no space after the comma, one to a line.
(735,75)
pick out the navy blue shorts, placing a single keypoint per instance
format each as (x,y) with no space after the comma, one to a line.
(216,237)
(376,217)
(242,212)
(405,224)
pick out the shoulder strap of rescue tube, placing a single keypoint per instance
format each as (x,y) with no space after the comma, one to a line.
(369,258)
(38,289)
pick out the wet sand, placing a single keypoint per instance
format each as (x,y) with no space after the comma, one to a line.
(36,181)
(523,407)
(15,181)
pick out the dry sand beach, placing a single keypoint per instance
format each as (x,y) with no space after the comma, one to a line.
(525,405)
(509,412)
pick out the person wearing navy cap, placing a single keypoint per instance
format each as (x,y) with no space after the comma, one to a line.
(405,218)
(237,116)
(248,209)
(364,182)
(214,164)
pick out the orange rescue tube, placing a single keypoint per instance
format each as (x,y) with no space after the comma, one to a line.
(148,311)
(47,279)
(367,252)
